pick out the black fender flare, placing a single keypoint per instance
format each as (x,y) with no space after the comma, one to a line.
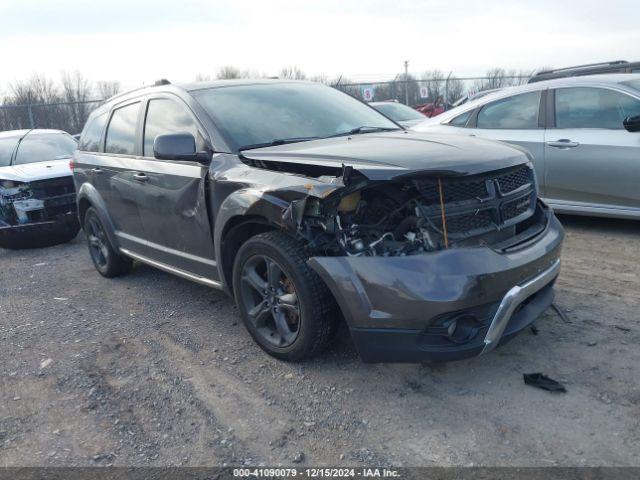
(89,193)
(254,205)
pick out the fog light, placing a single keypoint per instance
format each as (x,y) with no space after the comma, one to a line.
(463,328)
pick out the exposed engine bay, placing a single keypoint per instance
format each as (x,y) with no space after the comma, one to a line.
(421,215)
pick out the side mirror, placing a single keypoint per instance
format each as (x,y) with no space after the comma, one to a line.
(632,124)
(178,146)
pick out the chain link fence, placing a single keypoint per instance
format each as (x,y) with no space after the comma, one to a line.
(415,92)
(67,116)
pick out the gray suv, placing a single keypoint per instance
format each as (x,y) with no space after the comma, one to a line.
(583,132)
(307,205)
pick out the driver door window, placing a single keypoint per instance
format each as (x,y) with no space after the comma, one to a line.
(166,116)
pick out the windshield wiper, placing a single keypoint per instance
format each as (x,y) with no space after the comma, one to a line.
(277,141)
(365,129)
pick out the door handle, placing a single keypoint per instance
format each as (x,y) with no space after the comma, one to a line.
(96,170)
(141,177)
(563,143)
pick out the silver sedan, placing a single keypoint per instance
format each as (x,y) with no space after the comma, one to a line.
(583,133)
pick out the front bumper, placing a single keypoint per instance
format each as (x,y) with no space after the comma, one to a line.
(445,305)
(28,234)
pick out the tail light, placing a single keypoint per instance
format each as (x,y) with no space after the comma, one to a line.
(71,164)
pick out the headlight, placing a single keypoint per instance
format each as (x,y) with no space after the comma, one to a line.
(9,184)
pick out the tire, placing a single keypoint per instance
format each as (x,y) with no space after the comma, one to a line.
(264,309)
(107,261)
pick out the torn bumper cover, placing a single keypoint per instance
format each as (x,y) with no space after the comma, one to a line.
(445,305)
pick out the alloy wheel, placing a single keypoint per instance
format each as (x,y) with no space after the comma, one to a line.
(270,300)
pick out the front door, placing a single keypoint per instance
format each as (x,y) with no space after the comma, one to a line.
(591,160)
(174,210)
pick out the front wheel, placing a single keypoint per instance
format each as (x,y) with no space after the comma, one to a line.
(286,307)
(107,261)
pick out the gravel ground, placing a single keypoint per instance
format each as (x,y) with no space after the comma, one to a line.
(150,369)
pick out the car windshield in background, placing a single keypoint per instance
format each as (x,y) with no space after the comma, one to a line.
(398,111)
(43,147)
(633,84)
(251,115)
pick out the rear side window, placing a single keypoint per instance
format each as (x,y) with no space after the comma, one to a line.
(7,146)
(461,120)
(519,111)
(166,116)
(43,147)
(92,134)
(121,133)
(586,107)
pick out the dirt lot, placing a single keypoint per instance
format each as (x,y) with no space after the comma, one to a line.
(150,369)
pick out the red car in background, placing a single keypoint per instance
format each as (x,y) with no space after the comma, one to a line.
(431,109)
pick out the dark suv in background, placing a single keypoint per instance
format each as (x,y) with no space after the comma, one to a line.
(306,205)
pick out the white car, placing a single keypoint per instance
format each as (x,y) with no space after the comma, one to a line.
(37,194)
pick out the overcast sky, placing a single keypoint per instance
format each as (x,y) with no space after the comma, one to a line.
(138,42)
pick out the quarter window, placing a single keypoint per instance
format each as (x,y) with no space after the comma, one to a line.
(586,107)
(461,120)
(92,134)
(519,111)
(166,116)
(121,132)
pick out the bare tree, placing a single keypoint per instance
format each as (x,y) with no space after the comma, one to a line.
(228,72)
(107,89)
(293,72)
(76,90)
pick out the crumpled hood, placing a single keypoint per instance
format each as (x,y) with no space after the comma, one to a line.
(386,155)
(30,172)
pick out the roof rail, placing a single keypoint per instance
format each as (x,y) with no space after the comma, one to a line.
(157,83)
(579,67)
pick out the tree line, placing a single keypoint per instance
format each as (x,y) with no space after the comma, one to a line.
(40,102)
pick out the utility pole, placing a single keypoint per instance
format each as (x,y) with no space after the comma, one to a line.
(406,82)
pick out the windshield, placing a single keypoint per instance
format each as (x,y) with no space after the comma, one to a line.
(633,84)
(7,146)
(398,111)
(260,114)
(42,147)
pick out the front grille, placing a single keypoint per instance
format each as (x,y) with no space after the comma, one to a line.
(469,221)
(515,208)
(514,180)
(52,187)
(479,204)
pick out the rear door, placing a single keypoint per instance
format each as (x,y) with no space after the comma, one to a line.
(174,211)
(591,160)
(117,170)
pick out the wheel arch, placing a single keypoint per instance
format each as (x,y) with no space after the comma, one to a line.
(88,196)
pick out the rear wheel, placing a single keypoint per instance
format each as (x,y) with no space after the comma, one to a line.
(107,261)
(286,307)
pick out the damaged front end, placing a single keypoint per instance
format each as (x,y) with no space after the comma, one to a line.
(420,214)
(37,213)
(433,267)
